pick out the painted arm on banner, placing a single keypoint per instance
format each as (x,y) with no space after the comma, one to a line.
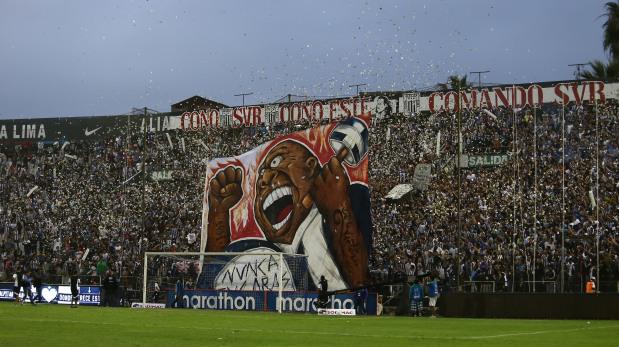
(225,191)
(330,194)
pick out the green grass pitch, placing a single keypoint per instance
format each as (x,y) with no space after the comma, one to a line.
(59,325)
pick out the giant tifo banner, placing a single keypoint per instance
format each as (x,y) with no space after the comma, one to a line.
(376,104)
(303,193)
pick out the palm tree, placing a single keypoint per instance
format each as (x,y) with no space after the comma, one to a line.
(611,29)
(455,82)
(601,71)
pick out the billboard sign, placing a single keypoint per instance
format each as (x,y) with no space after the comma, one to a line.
(267,301)
(55,294)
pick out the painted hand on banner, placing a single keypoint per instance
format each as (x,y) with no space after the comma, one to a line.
(225,191)
(331,185)
(331,196)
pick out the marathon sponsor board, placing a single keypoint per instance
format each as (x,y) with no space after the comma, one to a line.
(267,301)
(55,294)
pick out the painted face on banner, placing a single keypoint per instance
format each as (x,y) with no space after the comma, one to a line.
(285,178)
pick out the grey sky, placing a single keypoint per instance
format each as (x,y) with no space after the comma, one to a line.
(80,58)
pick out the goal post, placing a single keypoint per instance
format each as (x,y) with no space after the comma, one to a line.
(225,280)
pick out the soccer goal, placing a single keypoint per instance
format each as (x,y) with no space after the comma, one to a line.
(254,280)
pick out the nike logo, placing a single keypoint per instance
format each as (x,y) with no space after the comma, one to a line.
(88,133)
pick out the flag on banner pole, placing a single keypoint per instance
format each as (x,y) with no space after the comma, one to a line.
(422,176)
(486,111)
(592,199)
(203,144)
(85,254)
(132,177)
(32,191)
(438,143)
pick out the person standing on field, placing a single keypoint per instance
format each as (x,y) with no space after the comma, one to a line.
(75,290)
(37,282)
(16,287)
(157,289)
(27,285)
(180,291)
(360,301)
(433,294)
(415,296)
(323,296)
(109,289)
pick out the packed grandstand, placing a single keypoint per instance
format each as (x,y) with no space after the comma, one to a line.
(496,228)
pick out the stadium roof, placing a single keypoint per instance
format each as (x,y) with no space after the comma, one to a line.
(195,102)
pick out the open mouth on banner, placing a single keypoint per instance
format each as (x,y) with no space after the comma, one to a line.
(278,207)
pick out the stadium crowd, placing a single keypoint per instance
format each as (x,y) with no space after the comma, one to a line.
(499,227)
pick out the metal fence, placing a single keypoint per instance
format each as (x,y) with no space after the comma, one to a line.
(479,287)
(541,286)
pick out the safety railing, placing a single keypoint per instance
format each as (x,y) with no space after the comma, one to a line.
(391,293)
(479,287)
(541,286)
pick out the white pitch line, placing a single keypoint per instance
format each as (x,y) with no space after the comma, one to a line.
(324,333)
(537,332)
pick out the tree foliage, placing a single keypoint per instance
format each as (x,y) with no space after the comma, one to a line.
(599,70)
(602,71)
(455,82)
(611,29)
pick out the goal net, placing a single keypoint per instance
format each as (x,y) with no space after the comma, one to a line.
(255,281)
